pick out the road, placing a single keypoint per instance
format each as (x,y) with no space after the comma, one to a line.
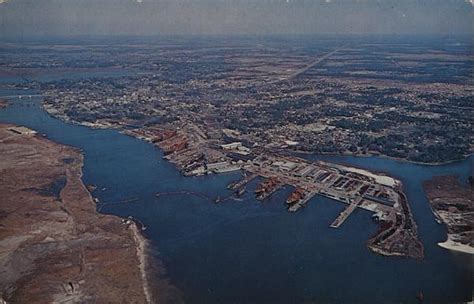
(314,63)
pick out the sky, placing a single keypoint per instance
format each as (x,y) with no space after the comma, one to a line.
(255,17)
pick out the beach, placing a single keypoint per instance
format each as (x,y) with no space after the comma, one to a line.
(456,246)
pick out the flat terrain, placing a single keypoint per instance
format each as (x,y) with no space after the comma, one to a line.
(54,246)
(402,98)
(453,205)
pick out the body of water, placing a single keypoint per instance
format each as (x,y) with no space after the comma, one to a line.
(245,251)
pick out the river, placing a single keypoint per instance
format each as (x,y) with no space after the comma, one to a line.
(245,251)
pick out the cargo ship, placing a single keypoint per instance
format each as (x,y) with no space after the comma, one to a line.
(239,192)
(266,188)
(296,196)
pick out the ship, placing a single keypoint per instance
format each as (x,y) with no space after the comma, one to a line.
(232,185)
(266,188)
(240,192)
(265,185)
(227,169)
(296,196)
(295,207)
(91,187)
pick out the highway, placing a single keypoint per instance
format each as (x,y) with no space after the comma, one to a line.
(307,67)
(315,63)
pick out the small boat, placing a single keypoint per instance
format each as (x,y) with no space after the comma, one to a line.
(91,187)
(231,185)
(240,192)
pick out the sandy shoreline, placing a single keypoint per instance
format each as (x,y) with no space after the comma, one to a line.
(142,248)
(141,245)
(455,246)
(451,202)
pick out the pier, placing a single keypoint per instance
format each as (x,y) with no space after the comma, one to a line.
(268,192)
(247,179)
(345,213)
(295,207)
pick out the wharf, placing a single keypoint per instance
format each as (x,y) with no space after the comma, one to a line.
(295,207)
(242,182)
(267,194)
(345,213)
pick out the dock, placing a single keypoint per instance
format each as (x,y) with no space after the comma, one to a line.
(345,213)
(295,207)
(247,179)
(266,194)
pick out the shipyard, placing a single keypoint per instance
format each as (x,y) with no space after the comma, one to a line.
(194,154)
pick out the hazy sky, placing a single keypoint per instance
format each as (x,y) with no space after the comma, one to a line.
(125,17)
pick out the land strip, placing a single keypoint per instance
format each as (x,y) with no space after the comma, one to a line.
(453,205)
(54,246)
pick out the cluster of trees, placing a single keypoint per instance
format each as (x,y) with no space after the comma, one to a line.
(438,153)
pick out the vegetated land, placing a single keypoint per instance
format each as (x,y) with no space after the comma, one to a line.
(453,205)
(399,97)
(54,246)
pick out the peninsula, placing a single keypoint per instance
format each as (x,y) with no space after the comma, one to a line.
(195,153)
(54,246)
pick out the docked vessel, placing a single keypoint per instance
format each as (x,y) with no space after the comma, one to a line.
(239,192)
(296,196)
(266,188)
